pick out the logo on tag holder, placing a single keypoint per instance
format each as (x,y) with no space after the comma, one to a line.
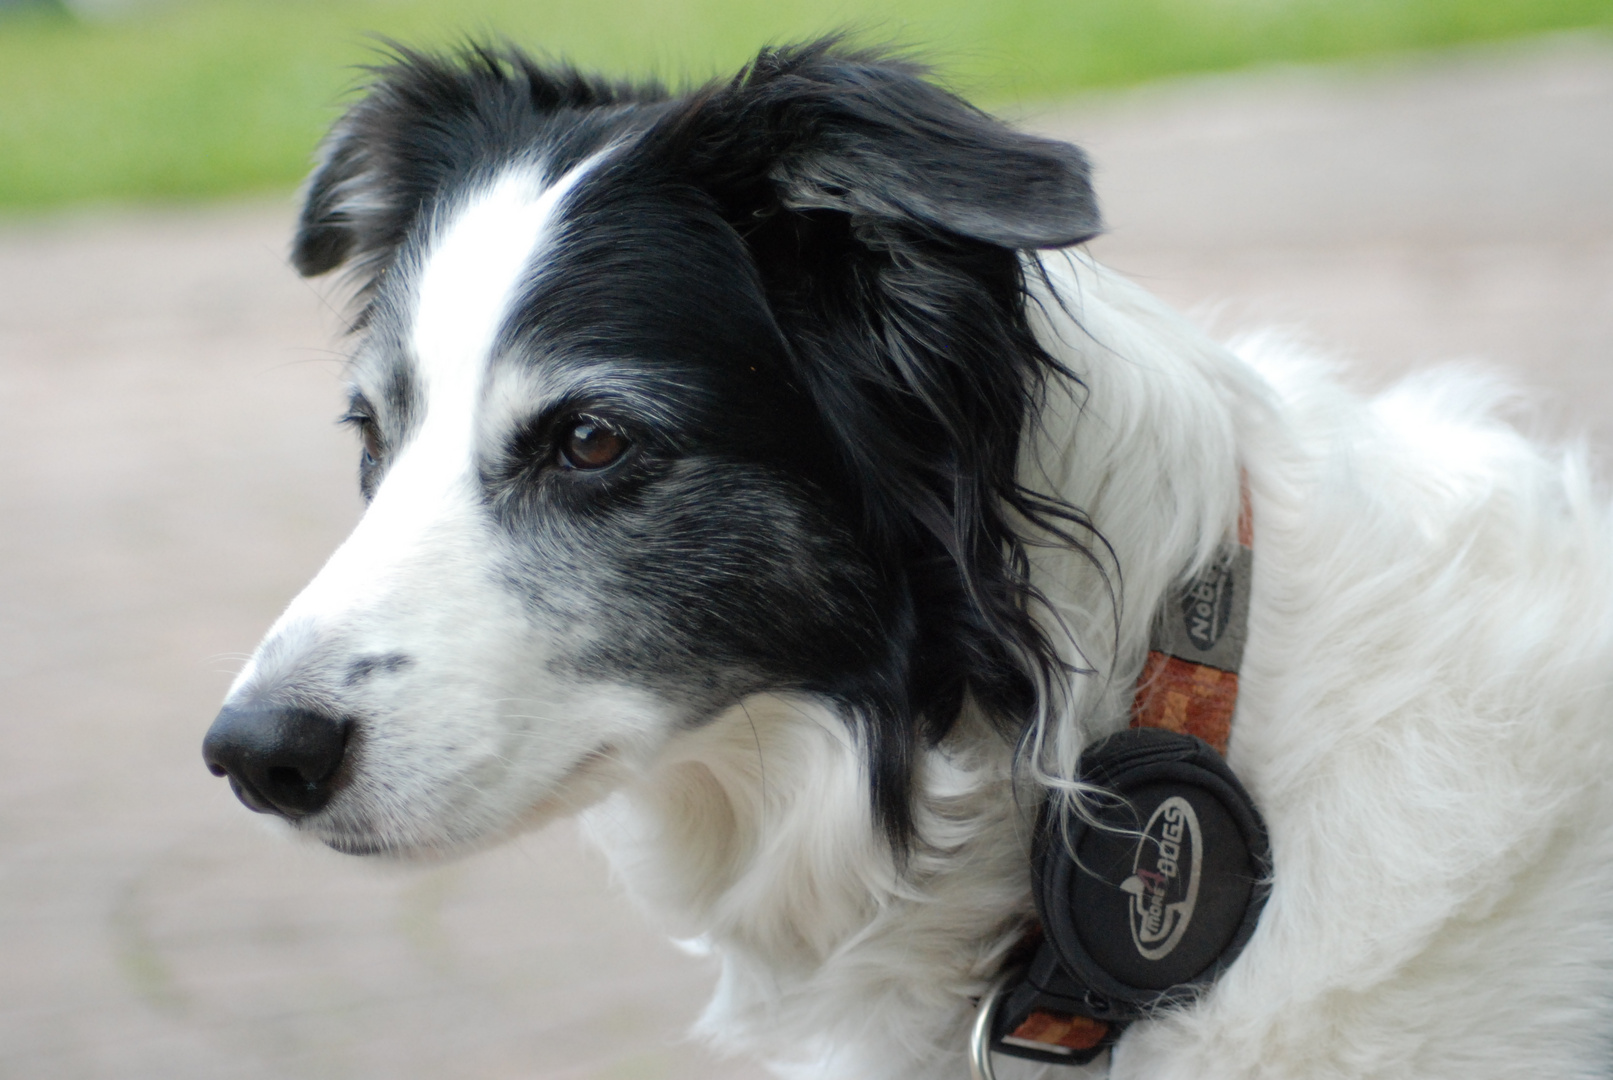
(1164,881)
(1207,606)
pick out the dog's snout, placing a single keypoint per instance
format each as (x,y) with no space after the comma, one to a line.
(279,760)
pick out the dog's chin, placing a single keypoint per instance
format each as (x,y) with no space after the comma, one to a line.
(590,780)
(372,845)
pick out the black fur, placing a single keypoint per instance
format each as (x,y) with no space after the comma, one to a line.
(812,274)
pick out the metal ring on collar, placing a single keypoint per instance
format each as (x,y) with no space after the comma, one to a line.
(980,1036)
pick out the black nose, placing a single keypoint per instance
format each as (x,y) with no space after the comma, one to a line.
(279,760)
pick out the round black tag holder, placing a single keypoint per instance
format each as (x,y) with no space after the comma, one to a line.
(1144,899)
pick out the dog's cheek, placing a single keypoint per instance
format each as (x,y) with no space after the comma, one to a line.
(483,722)
(720,582)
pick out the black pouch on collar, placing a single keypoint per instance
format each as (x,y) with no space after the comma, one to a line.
(1144,901)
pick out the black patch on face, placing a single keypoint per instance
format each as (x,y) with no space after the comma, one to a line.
(712,560)
(799,299)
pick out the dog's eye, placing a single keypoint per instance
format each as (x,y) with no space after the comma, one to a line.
(369,433)
(589,444)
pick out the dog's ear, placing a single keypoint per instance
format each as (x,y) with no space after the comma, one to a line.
(382,161)
(347,205)
(423,121)
(886,220)
(871,137)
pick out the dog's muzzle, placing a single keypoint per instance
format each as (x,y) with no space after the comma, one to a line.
(280,760)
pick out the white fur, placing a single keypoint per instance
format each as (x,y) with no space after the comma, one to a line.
(1422,720)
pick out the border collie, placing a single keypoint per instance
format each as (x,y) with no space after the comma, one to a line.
(768,471)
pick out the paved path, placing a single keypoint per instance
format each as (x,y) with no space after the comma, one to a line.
(169,476)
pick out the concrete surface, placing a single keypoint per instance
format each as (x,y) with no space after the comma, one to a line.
(170,475)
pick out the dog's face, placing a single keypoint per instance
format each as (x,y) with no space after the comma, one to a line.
(618,479)
(589,521)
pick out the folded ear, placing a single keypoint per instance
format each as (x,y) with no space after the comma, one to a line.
(871,137)
(380,164)
(423,121)
(348,202)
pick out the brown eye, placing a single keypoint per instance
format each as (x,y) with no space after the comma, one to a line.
(588,444)
(371,434)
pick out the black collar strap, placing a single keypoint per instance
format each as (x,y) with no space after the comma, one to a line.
(1066,1005)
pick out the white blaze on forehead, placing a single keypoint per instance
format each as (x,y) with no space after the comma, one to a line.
(468,282)
(470,277)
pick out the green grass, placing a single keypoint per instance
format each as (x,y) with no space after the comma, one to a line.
(219,96)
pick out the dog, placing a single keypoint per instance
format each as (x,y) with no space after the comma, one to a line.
(766,473)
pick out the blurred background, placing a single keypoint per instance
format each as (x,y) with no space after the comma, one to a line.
(1400,182)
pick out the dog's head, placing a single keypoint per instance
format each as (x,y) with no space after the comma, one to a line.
(664,401)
